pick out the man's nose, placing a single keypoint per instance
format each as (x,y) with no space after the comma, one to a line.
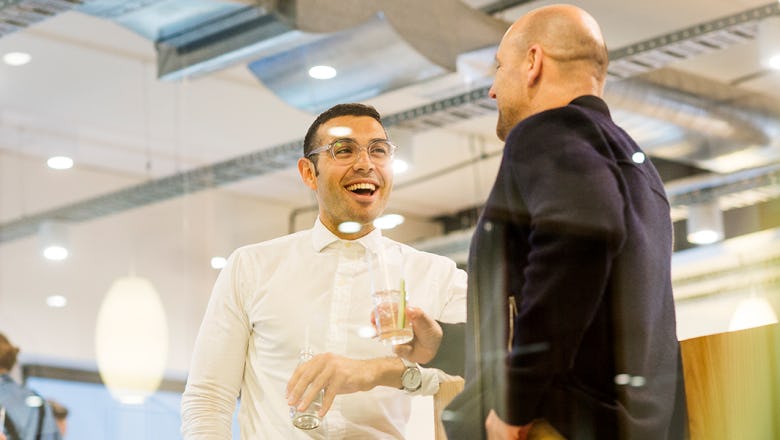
(363,160)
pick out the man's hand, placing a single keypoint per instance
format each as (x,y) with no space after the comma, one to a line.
(497,429)
(427,338)
(339,375)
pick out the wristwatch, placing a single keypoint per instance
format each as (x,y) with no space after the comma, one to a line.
(411,379)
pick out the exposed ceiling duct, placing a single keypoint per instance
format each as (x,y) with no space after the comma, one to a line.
(19,14)
(657,52)
(351,38)
(698,129)
(435,114)
(283,39)
(157,20)
(674,116)
(352,55)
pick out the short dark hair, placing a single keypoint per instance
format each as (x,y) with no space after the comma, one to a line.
(349,109)
(8,353)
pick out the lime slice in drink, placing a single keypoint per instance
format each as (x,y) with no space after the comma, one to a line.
(402,306)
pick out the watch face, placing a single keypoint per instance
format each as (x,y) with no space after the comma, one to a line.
(411,379)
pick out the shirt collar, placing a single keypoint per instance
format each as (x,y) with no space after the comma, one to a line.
(592,102)
(322,237)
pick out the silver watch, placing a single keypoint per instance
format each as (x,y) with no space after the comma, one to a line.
(411,379)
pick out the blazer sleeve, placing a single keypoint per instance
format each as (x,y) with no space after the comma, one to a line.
(450,358)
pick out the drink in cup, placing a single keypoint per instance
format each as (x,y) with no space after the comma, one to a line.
(388,291)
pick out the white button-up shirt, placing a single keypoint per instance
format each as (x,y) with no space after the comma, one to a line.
(274,295)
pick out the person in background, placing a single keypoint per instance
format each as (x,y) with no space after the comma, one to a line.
(26,413)
(60,415)
(311,289)
(571,318)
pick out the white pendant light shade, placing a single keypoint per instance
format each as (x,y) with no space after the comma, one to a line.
(131,340)
(752,312)
(705,223)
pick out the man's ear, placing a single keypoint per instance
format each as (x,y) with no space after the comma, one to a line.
(308,172)
(534,57)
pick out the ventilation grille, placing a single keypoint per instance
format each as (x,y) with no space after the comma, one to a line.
(19,14)
(686,43)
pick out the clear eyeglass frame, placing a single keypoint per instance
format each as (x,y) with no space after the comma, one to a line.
(347,151)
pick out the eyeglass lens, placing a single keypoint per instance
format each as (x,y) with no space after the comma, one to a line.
(347,151)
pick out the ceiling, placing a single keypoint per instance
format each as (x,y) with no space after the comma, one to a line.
(92,91)
(688,85)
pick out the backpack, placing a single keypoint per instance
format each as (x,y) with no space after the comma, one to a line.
(13,434)
(10,429)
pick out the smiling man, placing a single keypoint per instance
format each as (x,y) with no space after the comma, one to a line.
(310,290)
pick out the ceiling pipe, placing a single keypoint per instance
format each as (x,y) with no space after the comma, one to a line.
(282,156)
(704,128)
(16,15)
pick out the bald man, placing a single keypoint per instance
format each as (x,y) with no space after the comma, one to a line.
(571,317)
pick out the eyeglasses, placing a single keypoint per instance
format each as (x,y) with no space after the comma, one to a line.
(346,151)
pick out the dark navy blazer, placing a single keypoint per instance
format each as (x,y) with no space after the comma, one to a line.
(570,309)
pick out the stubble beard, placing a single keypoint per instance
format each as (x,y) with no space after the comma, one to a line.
(502,130)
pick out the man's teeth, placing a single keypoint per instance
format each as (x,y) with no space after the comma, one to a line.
(358,186)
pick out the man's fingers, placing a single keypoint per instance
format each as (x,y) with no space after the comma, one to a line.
(311,393)
(300,380)
(294,387)
(414,314)
(327,401)
(293,380)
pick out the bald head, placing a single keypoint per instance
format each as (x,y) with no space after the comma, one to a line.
(569,35)
(546,59)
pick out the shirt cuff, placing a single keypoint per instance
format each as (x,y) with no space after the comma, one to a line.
(431,378)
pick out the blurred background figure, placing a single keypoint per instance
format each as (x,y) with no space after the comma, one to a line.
(60,412)
(28,416)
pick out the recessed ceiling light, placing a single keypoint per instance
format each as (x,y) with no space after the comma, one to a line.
(56,301)
(218,262)
(17,58)
(60,162)
(322,72)
(55,253)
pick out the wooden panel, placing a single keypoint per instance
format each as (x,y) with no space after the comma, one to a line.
(447,391)
(732,382)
